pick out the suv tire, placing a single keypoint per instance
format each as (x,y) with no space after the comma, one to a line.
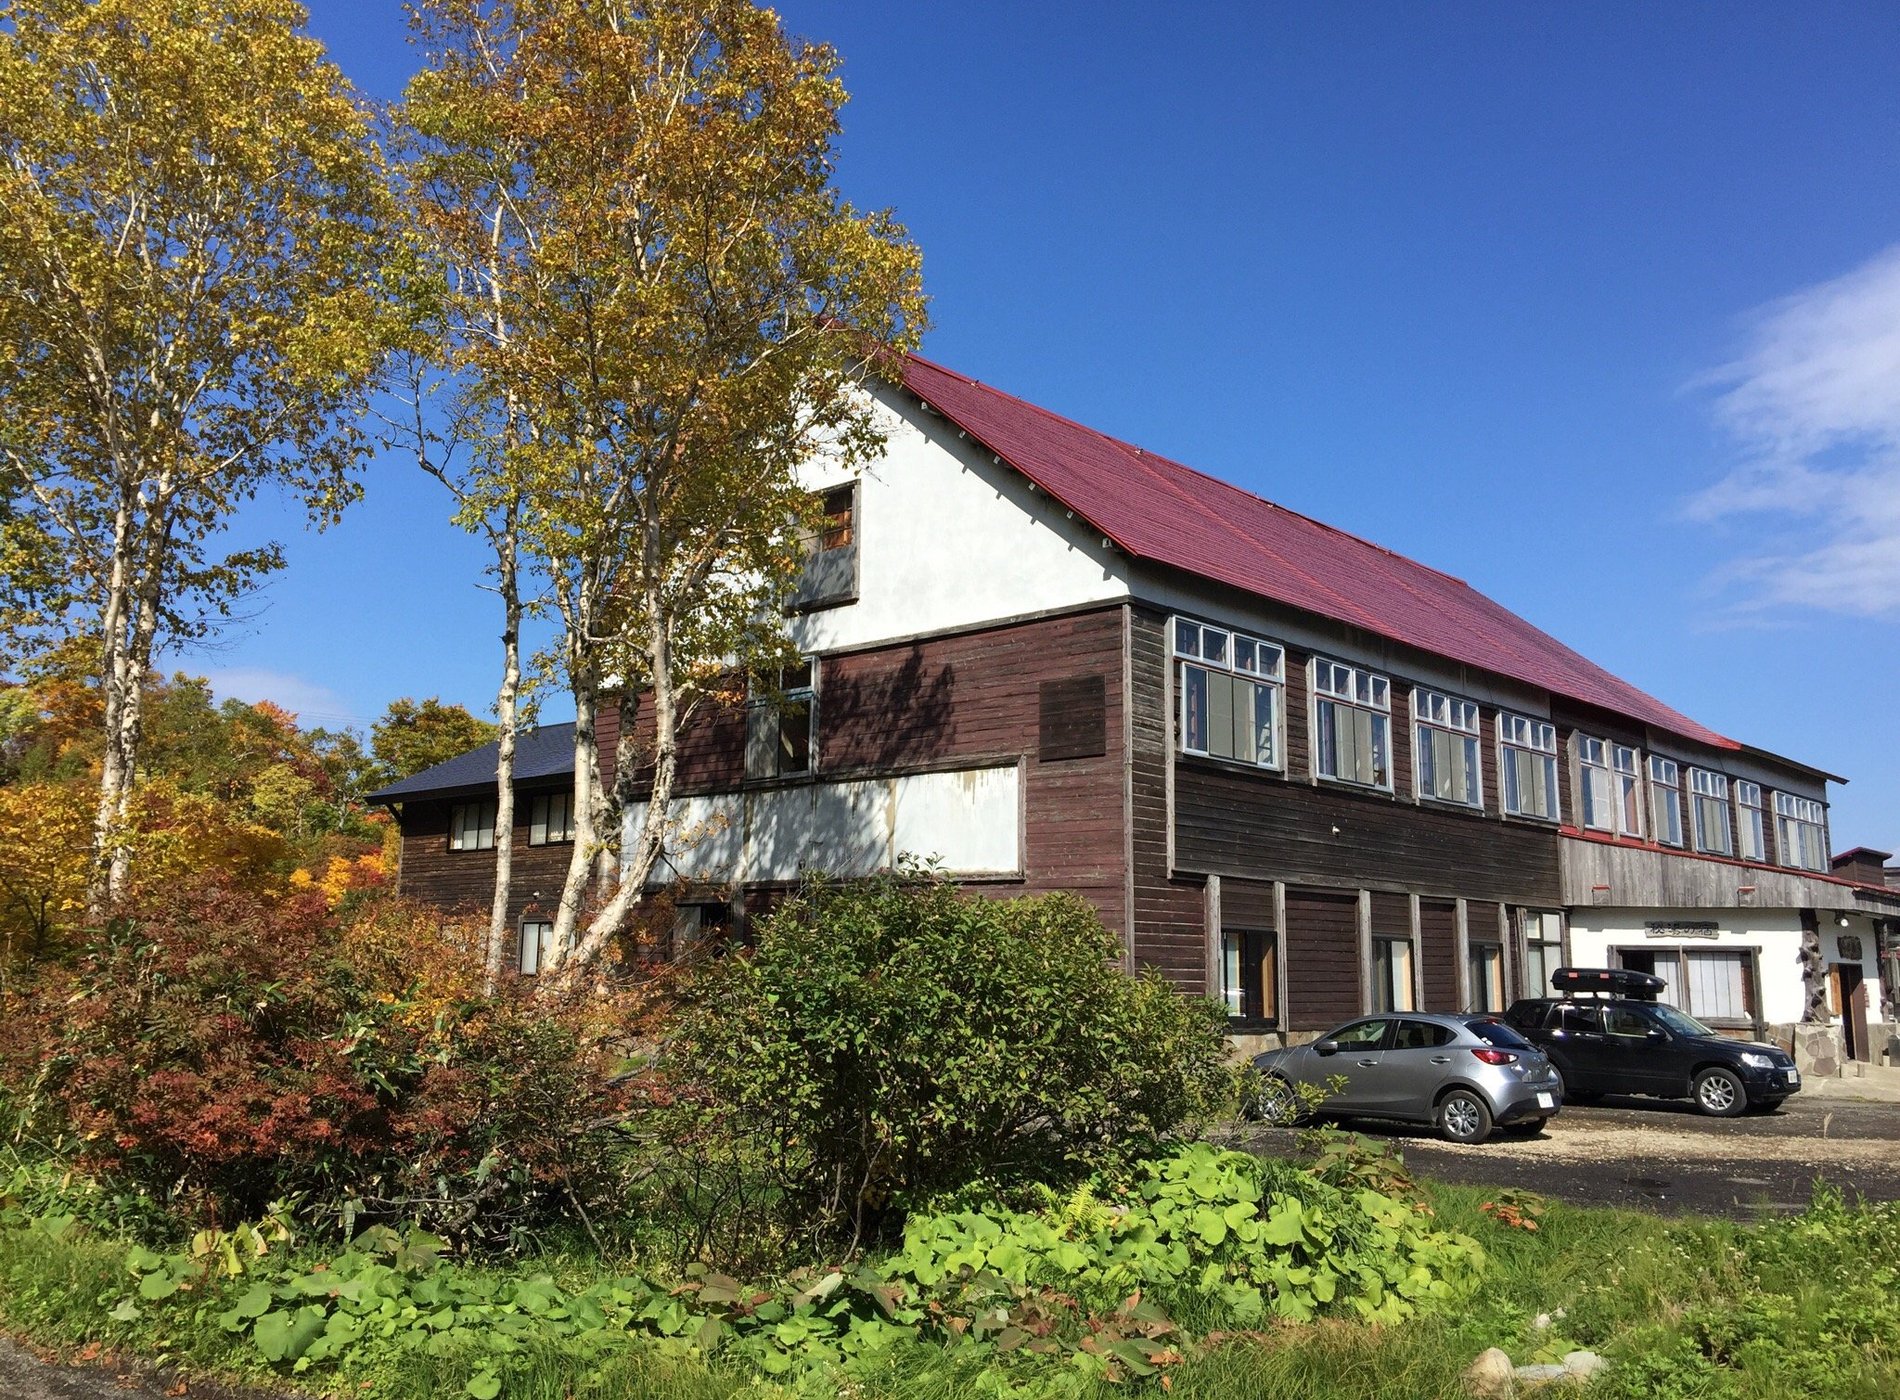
(1463,1117)
(1720,1093)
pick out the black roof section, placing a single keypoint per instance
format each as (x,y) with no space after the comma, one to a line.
(546,752)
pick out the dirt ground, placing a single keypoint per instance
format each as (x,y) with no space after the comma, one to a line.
(1647,1154)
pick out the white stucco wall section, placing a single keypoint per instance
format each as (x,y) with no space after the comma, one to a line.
(948,538)
(1775,934)
(969,819)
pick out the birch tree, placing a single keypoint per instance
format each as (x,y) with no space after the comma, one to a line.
(190,215)
(691,308)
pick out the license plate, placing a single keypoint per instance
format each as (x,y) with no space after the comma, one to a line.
(1546,1100)
(1794,1076)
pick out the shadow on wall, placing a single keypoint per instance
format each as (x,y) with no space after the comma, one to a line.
(887,716)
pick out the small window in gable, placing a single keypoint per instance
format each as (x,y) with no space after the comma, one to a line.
(830,578)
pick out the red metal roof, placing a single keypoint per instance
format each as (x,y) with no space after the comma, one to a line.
(1161,511)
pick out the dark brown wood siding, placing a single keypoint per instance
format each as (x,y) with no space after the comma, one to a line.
(463,882)
(1322,944)
(1247,904)
(1259,827)
(1170,915)
(1481,922)
(972,698)
(1438,954)
(1403,774)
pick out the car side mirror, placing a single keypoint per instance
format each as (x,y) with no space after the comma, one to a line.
(1325,1047)
(1654,1036)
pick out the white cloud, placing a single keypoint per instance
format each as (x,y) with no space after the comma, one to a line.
(313,704)
(1813,403)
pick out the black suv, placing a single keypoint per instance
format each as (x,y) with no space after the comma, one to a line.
(1607,1034)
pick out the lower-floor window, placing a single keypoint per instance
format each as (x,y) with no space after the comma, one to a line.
(1710,984)
(696,924)
(1486,962)
(537,944)
(1392,974)
(1248,975)
(1543,950)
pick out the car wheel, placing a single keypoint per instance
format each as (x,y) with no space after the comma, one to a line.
(1719,1093)
(1277,1105)
(1463,1117)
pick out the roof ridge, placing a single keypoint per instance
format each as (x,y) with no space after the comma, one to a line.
(1165,513)
(1178,465)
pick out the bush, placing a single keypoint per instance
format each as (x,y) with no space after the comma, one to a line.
(891,1043)
(216,1049)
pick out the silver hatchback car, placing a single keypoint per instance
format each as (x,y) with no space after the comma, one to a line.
(1463,1074)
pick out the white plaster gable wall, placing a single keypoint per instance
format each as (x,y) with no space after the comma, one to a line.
(949,539)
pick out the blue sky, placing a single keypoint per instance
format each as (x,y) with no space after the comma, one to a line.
(1597,307)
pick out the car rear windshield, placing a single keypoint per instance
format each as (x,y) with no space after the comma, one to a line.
(1497,1033)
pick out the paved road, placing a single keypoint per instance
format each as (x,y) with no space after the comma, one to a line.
(1648,1154)
(23,1376)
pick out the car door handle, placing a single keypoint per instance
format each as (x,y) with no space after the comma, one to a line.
(1441,1059)
(1368,1063)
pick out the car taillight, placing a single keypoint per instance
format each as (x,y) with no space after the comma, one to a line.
(1496,1057)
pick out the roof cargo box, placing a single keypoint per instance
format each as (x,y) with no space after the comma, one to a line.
(1606,981)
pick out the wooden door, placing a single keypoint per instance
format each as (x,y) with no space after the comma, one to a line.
(1850,988)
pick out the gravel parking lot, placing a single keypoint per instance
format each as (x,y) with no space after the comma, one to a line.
(1647,1154)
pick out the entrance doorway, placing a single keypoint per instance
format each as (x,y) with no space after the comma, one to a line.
(1849,989)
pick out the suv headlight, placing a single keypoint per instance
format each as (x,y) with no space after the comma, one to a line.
(1749,1057)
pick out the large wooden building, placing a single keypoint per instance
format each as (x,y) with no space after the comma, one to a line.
(1298,772)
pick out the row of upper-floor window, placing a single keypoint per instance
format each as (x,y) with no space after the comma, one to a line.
(1232,705)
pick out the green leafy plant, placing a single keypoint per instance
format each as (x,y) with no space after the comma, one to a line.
(892,1042)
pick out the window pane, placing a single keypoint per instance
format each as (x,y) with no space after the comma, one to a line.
(794,737)
(1194,709)
(1262,735)
(1220,715)
(1241,742)
(1717,985)
(1187,637)
(1213,645)
(1328,739)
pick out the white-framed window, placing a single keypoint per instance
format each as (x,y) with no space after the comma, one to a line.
(1628,767)
(472,826)
(1446,754)
(782,721)
(536,949)
(550,818)
(1801,832)
(1708,797)
(1609,787)
(1665,799)
(1231,693)
(1352,725)
(1392,974)
(1750,821)
(1596,785)
(1528,766)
